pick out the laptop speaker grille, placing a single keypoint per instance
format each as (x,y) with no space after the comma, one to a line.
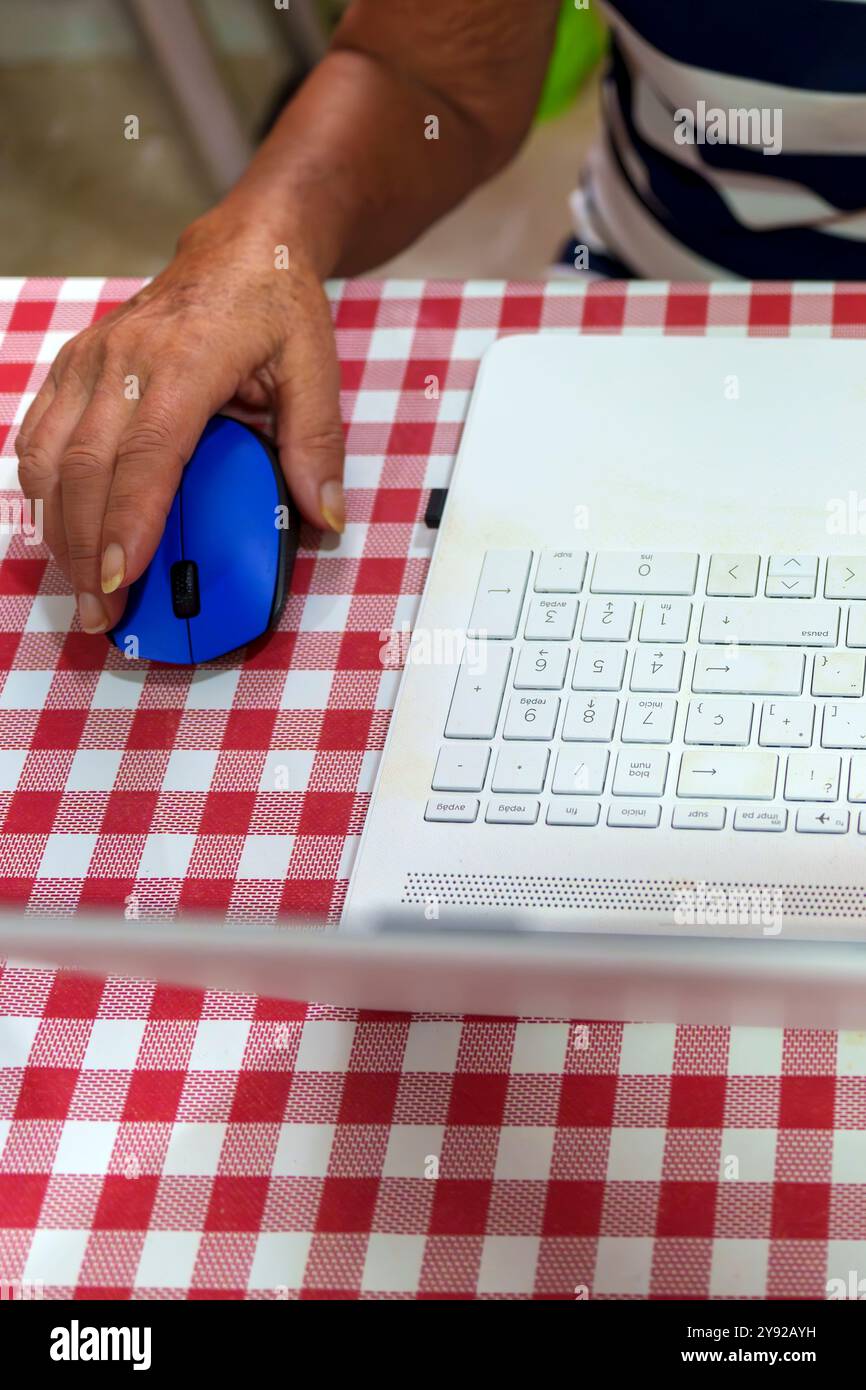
(621,894)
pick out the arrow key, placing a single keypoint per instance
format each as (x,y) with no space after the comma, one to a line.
(733,576)
(791,587)
(793,567)
(846,577)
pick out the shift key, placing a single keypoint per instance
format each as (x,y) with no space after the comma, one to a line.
(747,774)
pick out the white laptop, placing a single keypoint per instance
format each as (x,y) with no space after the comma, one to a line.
(660,539)
(626,771)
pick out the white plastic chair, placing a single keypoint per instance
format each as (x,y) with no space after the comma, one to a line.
(184,57)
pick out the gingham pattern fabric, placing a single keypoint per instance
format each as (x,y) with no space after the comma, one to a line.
(163,1143)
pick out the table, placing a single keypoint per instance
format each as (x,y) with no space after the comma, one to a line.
(164,1143)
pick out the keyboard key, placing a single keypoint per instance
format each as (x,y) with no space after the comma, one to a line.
(786,724)
(857,625)
(648,572)
(642,773)
(520,767)
(650,720)
(772,818)
(551,619)
(735,773)
(659,669)
(580,772)
(857,778)
(461,767)
(846,577)
(665,620)
(790,588)
(792,567)
(531,716)
(590,719)
(499,598)
(719,721)
(812,777)
(749,672)
(560,572)
(452,808)
(813,821)
(478,692)
(598,669)
(607,620)
(639,815)
(513,811)
(572,810)
(698,817)
(733,576)
(844,726)
(861,823)
(541,667)
(839,673)
(770,624)
(751,643)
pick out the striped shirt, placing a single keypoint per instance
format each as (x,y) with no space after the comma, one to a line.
(734,143)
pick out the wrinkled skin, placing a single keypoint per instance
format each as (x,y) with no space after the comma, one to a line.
(220,324)
(344,181)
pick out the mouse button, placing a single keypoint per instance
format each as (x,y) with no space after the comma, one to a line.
(148,628)
(230,530)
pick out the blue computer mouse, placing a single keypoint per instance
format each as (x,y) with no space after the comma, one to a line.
(221,571)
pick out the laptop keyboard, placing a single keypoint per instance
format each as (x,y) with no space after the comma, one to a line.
(643,689)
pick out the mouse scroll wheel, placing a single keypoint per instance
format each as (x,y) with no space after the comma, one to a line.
(184,589)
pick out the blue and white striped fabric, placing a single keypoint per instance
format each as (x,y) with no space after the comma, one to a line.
(782,193)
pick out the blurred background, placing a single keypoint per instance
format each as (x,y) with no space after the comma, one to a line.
(203,77)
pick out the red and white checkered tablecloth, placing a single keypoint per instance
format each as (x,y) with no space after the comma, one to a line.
(164,1143)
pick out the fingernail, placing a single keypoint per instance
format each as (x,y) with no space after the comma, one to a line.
(92,613)
(333,504)
(113,568)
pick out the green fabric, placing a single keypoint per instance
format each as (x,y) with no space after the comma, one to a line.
(580,42)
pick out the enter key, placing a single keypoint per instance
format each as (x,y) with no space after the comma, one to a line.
(747,775)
